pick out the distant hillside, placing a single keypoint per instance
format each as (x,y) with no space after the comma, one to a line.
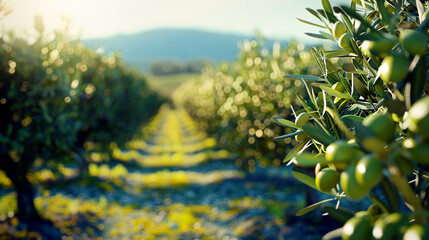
(141,49)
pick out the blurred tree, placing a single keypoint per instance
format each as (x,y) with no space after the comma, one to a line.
(55,95)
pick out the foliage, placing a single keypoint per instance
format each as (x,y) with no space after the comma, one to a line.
(55,95)
(235,102)
(368,115)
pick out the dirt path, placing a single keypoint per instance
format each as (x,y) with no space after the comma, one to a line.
(190,189)
(171,183)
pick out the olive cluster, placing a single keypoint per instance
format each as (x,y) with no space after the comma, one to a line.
(388,226)
(359,167)
(367,117)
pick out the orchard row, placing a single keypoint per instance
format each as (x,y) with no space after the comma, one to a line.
(55,95)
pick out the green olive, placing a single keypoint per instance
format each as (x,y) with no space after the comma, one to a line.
(389,227)
(341,154)
(345,42)
(350,185)
(338,29)
(327,179)
(373,144)
(418,117)
(301,137)
(394,68)
(369,171)
(339,87)
(382,125)
(415,42)
(302,119)
(379,47)
(357,228)
(417,232)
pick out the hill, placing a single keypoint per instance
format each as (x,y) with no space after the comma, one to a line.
(141,49)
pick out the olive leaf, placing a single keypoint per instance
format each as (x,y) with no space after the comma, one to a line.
(314,13)
(334,92)
(315,35)
(306,159)
(304,178)
(340,214)
(327,36)
(336,53)
(305,77)
(288,135)
(284,122)
(295,151)
(318,133)
(312,207)
(310,23)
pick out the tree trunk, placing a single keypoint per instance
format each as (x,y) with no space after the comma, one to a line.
(82,163)
(17,173)
(27,213)
(24,195)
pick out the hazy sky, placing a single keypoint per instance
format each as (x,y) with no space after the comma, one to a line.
(100,18)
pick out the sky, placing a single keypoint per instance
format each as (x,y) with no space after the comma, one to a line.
(103,18)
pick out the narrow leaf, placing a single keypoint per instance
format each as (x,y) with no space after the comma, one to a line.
(331,17)
(310,23)
(327,6)
(285,123)
(318,134)
(359,86)
(347,23)
(288,135)
(307,107)
(294,151)
(350,68)
(327,36)
(324,102)
(306,159)
(312,207)
(362,105)
(334,92)
(305,77)
(336,53)
(385,16)
(339,123)
(349,12)
(304,178)
(340,214)
(420,10)
(311,96)
(351,120)
(315,35)
(314,13)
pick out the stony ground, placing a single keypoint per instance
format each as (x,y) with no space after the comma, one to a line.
(171,183)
